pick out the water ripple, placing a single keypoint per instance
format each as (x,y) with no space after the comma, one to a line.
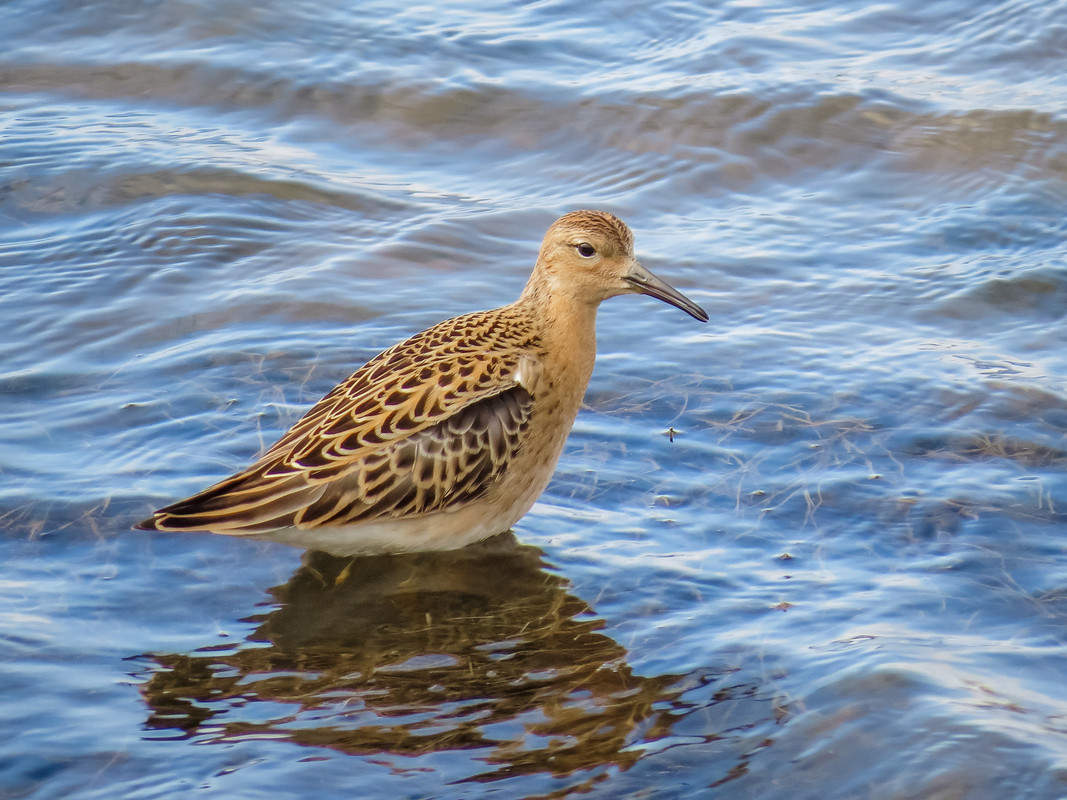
(810,548)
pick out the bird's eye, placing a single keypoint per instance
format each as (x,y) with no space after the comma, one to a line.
(586,250)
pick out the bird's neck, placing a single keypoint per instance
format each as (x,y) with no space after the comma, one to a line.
(567,328)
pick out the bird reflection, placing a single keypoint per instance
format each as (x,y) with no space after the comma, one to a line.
(481,648)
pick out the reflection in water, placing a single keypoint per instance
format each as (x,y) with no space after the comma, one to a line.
(477,648)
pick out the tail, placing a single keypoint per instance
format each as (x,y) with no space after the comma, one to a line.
(249,502)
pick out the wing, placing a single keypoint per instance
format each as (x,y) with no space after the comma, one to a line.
(440,468)
(428,425)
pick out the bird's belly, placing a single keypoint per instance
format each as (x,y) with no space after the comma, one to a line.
(447,530)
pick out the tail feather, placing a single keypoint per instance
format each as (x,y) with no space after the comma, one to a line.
(244,503)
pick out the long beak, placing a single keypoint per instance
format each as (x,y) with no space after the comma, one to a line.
(645,282)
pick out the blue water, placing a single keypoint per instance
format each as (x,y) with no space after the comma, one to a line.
(845,577)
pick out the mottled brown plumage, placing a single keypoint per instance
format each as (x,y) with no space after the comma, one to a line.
(449,436)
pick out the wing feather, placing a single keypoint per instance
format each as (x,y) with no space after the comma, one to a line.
(439,468)
(429,425)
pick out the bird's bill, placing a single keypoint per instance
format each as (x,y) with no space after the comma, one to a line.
(645,282)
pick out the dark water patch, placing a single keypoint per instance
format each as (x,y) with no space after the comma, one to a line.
(93,174)
(975,447)
(1036,292)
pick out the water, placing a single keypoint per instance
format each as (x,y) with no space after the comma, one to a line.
(846,577)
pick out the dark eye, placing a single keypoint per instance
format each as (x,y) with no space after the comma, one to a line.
(586,250)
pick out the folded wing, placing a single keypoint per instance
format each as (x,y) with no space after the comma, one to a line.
(416,430)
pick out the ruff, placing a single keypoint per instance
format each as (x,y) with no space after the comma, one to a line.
(446,438)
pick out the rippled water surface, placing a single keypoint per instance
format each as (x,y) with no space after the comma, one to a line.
(845,577)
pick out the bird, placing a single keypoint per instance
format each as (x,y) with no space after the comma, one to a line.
(450,436)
